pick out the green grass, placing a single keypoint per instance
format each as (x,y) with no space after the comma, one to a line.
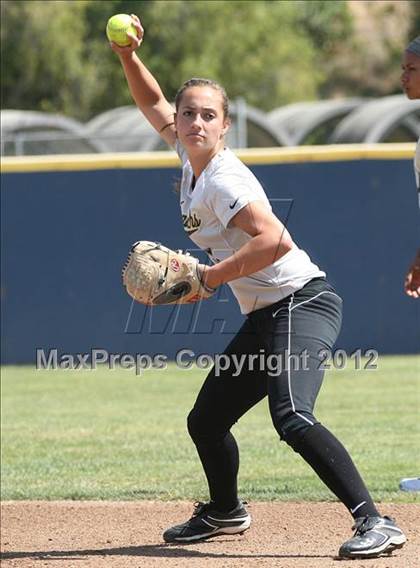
(111,435)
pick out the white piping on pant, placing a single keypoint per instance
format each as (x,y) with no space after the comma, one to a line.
(310,299)
(305,301)
(289,382)
(289,333)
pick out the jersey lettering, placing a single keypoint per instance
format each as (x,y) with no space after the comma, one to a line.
(191,223)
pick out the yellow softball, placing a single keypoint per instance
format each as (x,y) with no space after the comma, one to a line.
(117,28)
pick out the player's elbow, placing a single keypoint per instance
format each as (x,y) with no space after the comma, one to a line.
(280,244)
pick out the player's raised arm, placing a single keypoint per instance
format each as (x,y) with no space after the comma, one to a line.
(144,88)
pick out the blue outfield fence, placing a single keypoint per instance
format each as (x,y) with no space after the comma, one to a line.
(67,224)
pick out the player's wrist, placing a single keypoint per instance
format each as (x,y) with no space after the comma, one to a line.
(209,278)
(126,56)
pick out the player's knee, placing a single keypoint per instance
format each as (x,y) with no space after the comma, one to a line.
(293,429)
(205,430)
(192,424)
(198,427)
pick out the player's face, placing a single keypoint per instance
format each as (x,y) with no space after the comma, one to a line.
(410,77)
(200,122)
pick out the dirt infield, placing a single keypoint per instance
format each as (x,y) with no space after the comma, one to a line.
(90,534)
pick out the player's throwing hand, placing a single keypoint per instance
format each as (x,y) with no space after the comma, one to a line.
(135,40)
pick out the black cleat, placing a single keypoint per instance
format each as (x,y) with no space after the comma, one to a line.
(207,522)
(374,536)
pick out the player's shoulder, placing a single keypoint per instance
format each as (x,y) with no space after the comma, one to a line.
(181,151)
(228,159)
(227,170)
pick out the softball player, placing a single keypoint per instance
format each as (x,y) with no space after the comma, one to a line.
(410,80)
(290,309)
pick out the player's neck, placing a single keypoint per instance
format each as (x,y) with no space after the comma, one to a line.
(200,161)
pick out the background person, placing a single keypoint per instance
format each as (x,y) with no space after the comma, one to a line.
(410,80)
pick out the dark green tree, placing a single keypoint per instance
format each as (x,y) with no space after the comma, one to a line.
(55,56)
(42,64)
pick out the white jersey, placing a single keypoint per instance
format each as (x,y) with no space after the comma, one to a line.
(417,167)
(224,188)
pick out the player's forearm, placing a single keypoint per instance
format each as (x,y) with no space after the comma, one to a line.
(261,251)
(144,88)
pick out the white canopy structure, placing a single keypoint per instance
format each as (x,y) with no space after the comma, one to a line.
(125,129)
(25,132)
(311,122)
(390,119)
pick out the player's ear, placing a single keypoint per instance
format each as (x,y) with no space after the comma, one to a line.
(226,125)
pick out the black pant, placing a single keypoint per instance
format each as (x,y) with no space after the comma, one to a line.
(286,341)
